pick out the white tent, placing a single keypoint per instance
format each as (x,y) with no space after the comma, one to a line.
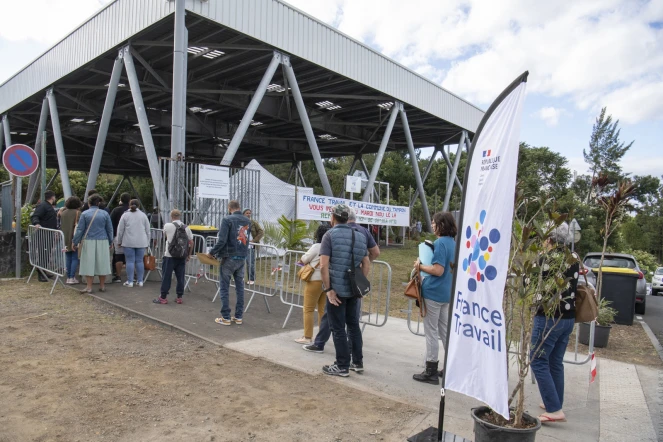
(276,196)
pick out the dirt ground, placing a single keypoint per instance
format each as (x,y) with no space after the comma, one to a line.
(75,369)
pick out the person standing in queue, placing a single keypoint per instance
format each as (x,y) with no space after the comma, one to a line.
(257,233)
(119,258)
(324,333)
(337,258)
(231,249)
(68,220)
(133,235)
(436,291)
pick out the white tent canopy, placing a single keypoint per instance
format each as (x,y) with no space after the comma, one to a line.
(276,196)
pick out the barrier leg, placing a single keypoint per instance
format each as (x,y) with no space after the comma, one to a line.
(57,279)
(218,290)
(288,317)
(248,304)
(30,277)
(267,304)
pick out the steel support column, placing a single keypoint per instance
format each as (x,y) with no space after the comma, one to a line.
(104,123)
(445,156)
(59,144)
(426,172)
(306,123)
(34,178)
(251,110)
(415,168)
(179,80)
(454,171)
(383,147)
(145,132)
(136,195)
(117,189)
(301,175)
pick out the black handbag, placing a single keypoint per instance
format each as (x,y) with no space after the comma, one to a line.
(359,284)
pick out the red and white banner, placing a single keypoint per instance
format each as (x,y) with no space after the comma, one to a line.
(476,362)
(318,208)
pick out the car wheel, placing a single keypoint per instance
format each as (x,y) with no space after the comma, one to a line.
(640,308)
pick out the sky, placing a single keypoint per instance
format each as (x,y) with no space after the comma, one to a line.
(582,55)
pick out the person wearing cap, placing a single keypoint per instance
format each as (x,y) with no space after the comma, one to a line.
(324,333)
(337,257)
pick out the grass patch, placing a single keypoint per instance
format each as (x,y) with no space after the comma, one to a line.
(400,258)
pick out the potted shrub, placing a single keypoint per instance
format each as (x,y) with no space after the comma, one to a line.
(526,292)
(603,326)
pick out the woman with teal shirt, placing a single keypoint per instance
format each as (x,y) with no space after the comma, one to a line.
(436,291)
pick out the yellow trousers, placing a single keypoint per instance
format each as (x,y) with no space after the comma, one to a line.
(313,297)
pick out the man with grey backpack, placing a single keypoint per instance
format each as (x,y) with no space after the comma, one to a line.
(179,244)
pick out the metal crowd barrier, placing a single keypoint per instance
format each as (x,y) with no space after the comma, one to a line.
(46,252)
(266,273)
(375,306)
(418,330)
(157,249)
(292,288)
(194,269)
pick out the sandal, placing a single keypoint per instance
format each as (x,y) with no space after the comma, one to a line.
(86,290)
(304,340)
(550,420)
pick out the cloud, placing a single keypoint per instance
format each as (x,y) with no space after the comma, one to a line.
(550,115)
(44,21)
(592,53)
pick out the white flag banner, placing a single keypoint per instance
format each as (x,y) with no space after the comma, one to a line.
(476,362)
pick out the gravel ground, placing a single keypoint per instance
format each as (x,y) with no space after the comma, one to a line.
(75,369)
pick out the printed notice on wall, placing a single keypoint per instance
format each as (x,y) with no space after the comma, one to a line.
(213,182)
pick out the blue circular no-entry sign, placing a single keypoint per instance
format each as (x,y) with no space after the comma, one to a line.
(20,160)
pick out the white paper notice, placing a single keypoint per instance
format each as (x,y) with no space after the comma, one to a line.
(353,184)
(213,182)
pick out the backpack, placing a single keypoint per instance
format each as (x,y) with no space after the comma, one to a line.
(179,246)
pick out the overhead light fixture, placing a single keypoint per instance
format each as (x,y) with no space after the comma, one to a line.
(118,85)
(204,111)
(275,88)
(23,133)
(327,137)
(195,109)
(77,120)
(195,50)
(214,54)
(151,125)
(91,122)
(387,105)
(256,123)
(327,105)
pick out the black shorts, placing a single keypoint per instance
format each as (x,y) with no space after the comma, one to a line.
(119,257)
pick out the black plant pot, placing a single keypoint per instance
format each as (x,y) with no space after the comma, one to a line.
(487,432)
(601,334)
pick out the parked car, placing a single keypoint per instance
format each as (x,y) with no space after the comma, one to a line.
(620,260)
(657,282)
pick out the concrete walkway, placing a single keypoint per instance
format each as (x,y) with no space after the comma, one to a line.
(623,404)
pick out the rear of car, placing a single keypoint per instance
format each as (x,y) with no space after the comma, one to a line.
(657,282)
(621,261)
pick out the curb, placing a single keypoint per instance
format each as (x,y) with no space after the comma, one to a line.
(652,337)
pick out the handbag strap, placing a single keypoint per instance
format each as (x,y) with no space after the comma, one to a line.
(90,225)
(352,251)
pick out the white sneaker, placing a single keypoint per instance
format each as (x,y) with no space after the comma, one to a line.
(128,284)
(139,284)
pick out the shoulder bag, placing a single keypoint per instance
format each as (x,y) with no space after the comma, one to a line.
(82,243)
(306,272)
(587,306)
(413,291)
(359,284)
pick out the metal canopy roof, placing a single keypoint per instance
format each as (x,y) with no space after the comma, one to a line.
(347,87)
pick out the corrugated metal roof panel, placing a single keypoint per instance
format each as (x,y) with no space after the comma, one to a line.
(106,29)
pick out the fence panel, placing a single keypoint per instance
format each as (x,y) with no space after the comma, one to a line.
(46,252)
(194,269)
(375,306)
(292,288)
(417,329)
(263,269)
(7,203)
(157,248)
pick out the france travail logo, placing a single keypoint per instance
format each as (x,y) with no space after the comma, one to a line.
(478,249)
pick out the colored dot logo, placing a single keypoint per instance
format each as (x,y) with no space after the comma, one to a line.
(478,250)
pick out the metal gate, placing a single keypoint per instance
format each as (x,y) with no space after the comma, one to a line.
(244,187)
(7,206)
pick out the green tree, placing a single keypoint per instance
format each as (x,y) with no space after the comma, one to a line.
(605,149)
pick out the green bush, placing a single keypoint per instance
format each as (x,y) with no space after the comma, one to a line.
(606,313)
(646,260)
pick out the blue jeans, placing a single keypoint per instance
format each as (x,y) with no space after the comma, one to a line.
(134,257)
(339,317)
(251,264)
(324,332)
(232,268)
(170,265)
(548,358)
(71,262)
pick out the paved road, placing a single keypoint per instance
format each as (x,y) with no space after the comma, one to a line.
(654,316)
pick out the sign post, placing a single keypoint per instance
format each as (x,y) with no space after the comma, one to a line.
(21,161)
